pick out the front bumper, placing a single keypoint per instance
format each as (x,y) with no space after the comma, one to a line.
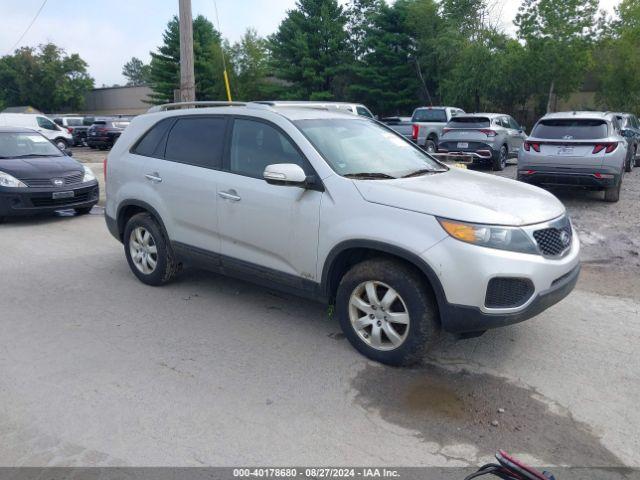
(33,201)
(465,271)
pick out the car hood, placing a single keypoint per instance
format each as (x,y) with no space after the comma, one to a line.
(467,196)
(39,167)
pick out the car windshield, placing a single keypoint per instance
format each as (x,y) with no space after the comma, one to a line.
(25,144)
(74,122)
(430,115)
(570,129)
(362,148)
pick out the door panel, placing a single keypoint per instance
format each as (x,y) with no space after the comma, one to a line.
(269,225)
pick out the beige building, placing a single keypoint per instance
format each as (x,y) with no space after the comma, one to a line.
(117,101)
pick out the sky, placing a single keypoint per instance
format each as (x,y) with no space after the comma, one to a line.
(107,34)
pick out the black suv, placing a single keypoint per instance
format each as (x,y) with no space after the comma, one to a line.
(630,129)
(105,131)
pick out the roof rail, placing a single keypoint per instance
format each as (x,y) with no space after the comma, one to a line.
(196,104)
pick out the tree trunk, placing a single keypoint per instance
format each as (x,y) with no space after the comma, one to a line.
(550,100)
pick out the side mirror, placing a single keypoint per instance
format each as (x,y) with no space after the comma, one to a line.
(287,174)
(627,133)
(68,152)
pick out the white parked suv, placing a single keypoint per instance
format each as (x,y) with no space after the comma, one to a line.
(38,122)
(341,209)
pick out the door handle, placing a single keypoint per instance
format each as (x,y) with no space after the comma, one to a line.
(230,195)
(153,177)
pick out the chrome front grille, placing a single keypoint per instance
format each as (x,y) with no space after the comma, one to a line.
(73,178)
(555,240)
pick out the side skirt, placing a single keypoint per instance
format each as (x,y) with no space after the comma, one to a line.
(250,272)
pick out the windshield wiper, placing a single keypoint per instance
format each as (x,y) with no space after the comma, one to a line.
(370,175)
(424,171)
(34,155)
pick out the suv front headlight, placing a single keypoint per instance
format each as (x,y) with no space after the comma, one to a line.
(7,180)
(88,174)
(513,239)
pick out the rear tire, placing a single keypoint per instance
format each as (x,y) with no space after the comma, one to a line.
(430,145)
(628,165)
(151,258)
(407,342)
(500,160)
(61,143)
(612,194)
(636,160)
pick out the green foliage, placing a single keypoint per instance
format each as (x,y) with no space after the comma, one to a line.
(251,79)
(136,72)
(45,78)
(164,74)
(310,49)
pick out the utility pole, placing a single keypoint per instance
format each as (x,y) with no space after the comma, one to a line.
(187,76)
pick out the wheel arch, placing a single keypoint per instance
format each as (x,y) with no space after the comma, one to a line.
(346,254)
(129,208)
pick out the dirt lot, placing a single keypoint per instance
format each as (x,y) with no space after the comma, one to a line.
(98,369)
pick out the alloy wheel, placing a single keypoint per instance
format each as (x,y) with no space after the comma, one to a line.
(143,250)
(379,315)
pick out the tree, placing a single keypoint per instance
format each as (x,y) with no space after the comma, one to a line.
(385,77)
(136,72)
(557,34)
(44,77)
(310,49)
(618,63)
(250,58)
(164,75)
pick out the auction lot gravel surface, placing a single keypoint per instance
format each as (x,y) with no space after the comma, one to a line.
(99,369)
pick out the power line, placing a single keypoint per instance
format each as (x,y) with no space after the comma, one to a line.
(28,27)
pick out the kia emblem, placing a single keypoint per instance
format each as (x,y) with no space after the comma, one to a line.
(564,238)
(58,182)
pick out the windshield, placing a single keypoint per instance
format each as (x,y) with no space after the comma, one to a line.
(571,129)
(24,144)
(362,147)
(430,115)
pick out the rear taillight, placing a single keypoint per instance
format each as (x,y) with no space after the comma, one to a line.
(607,147)
(488,132)
(104,169)
(445,130)
(529,145)
(414,131)
(69,129)
(528,172)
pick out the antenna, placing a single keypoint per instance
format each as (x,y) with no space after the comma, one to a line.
(224,63)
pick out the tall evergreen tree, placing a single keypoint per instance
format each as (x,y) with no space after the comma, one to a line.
(310,49)
(207,50)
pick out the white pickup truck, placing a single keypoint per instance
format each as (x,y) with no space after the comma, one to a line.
(428,123)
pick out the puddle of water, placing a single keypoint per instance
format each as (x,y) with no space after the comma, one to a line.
(452,408)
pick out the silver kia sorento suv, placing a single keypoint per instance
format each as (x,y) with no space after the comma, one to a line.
(341,209)
(576,149)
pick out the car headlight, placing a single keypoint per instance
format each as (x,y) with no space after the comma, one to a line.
(7,180)
(513,239)
(88,174)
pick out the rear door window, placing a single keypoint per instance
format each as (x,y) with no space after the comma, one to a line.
(571,129)
(437,115)
(197,141)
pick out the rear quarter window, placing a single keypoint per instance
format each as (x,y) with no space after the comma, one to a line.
(571,129)
(197,141)
(152,143)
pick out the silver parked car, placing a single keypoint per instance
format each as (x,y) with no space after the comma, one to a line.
(342,209)
(486,138)
(576,149)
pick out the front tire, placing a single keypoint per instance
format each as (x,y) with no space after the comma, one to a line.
(61,143)
(387,312)
(148,252)
(500,161)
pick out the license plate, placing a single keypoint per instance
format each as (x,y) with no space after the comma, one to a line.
(56,195)
(565,150)
(463,145)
